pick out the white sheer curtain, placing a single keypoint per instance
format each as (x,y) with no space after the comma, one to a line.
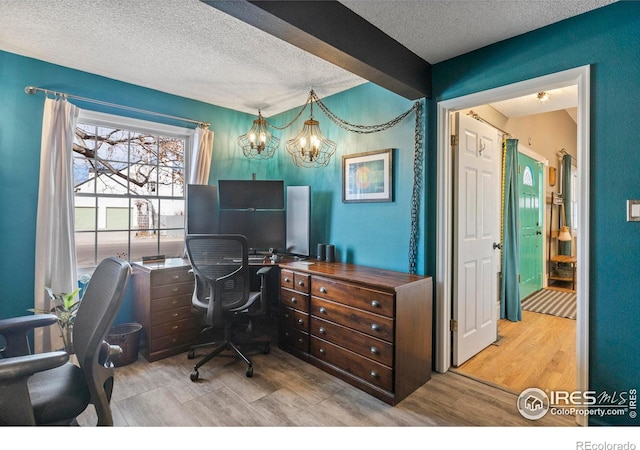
(200,157)
(199,160)
(55,257)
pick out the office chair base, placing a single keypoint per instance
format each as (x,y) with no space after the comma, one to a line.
(226,345)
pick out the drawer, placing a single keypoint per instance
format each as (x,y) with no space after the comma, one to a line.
(353,295)
(294,280)
(172,315)
(294,318)
(363,344)
(171,290)
(353,363)
(164,303)
(366,322)
(294,299)
(295,338)
(172,341)
(171,276)
(179,326)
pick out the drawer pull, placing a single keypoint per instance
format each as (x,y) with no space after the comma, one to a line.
(286,315)
(321,330)
(374,374)
(375,351)
(375,327)
(287,280)
(300,340)
(322,351)
(323,290)
(300,283)
(175,302)
(300,321)
(176,277)
(175,289)
(375,303)
(175,327)
(293,300)
(323,310)
(174,315)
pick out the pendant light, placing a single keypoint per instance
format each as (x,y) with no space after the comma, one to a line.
(310,148)
(258,143)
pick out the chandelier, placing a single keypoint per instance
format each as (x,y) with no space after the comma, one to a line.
(258,143)
(310,148)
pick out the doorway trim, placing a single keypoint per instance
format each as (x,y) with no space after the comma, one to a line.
(579,76)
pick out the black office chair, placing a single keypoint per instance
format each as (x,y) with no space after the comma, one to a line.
(222,292)
(47,389)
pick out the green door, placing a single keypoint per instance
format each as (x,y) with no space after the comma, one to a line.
(530,176)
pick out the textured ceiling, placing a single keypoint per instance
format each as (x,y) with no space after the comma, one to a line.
(187,48)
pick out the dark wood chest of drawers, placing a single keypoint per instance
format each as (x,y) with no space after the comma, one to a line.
(369,327)
(162,304)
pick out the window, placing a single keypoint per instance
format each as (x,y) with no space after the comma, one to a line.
(129,188)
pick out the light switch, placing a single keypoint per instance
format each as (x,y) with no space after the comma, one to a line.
(633,210)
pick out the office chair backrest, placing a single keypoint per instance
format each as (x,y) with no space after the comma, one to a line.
(98,309)
(220,263)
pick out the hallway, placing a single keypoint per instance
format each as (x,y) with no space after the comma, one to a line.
(539,351)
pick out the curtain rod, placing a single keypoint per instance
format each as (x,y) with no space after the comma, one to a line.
(477,117)
(31,90)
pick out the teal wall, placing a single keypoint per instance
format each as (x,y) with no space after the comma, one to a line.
(608,39)
(375,234)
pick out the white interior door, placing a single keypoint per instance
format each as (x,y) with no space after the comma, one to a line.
(477,157)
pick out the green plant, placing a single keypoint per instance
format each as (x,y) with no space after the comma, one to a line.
(65,308)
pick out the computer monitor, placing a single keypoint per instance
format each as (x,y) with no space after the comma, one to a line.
(202,209)
(264,229)
(298,220)
(251,194)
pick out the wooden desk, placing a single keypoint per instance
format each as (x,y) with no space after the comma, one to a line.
(366,326)
(565,259)
(369,327)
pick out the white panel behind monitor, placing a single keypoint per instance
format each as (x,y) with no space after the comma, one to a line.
(298,219)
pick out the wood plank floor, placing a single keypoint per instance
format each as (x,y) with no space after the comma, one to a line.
(287,392)
(539,351)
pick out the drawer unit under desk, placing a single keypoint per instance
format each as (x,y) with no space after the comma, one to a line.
(363,344)
(353,295)
(162,304)
(357,319)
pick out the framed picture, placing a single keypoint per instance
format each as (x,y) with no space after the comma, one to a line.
(366,177)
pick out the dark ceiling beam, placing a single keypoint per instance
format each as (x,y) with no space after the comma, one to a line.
(333,32)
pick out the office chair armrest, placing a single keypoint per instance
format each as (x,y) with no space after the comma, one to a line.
(15,401)
(15,330)
(264,271)
(25,366)
(264,301)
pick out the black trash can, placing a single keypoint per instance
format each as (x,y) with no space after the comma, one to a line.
(127,336)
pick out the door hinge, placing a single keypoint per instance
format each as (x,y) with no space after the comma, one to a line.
(454,139)
(453,325)
(519,278)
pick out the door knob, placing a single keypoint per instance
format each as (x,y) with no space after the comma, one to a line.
(538,232)
(495,245)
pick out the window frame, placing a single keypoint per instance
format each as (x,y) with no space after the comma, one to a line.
(108,120)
